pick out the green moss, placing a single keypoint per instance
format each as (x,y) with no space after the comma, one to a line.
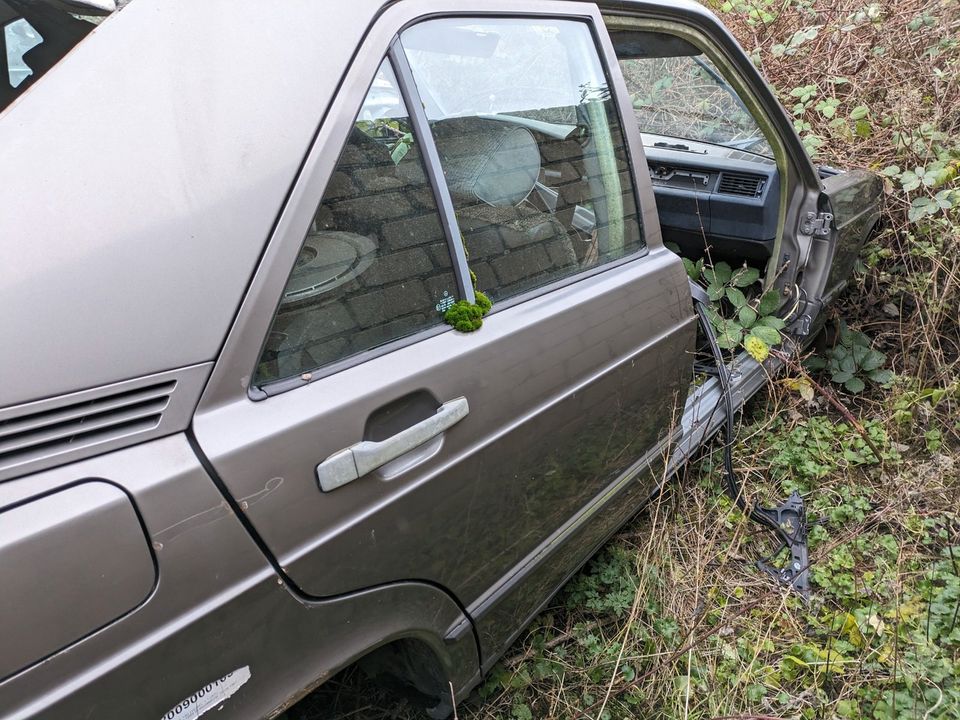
(483,302)
(464,316)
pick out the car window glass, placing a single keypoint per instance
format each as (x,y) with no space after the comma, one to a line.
(19,37)
(375,265)
(531,147)
(678,93)
(35,37)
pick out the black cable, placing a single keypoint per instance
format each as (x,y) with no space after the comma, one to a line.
(734,490)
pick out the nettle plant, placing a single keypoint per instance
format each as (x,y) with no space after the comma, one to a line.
(741,314)
(852,362)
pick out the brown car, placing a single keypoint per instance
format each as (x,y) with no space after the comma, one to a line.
(339,331)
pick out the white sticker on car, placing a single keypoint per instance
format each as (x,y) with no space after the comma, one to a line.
(209,696)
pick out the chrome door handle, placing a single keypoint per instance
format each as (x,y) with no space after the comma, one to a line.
(364,457)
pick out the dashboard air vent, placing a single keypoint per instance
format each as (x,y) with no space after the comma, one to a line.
(743,184)
(96,421)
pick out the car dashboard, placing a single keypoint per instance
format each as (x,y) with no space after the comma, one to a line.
(714,197)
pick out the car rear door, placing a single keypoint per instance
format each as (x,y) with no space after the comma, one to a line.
(363,440)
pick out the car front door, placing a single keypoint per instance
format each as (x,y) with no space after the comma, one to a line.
(364,440)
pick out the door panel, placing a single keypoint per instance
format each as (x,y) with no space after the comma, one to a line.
(569,381)
(542,379)
(855,203)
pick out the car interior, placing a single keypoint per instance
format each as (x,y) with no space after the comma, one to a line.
(714,177)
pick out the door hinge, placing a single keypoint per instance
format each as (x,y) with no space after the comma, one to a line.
(817,224)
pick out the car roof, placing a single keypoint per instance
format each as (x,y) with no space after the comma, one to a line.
(138,200)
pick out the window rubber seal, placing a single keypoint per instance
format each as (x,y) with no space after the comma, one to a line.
(431,159)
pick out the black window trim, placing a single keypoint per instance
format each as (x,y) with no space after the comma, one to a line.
(431,160)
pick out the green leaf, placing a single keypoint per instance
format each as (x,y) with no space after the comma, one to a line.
(873,360)
(727,342)
(881,377)
(848,364)
(854,385)
(714,291)
(736,297)
(772,321)
(732,329)
(723,272)
(860,354)
(768,334)
(841,377)
(692,271)
(769,302)
(398,153)
(747,316)
(745,277)
(859,112)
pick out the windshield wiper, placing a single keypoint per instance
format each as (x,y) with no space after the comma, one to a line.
(678,146)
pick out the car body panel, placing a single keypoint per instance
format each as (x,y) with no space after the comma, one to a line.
(855,199)
(121,272)
(72,561)
(543,393)
(219,607)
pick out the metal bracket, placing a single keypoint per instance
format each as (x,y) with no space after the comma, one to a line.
(790,519)
(817,224)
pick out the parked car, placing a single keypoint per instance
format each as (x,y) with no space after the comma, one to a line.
(240,447)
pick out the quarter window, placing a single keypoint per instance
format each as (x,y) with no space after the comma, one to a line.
(531,147)
(375,265)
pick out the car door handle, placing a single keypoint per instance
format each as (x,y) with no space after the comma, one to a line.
(364,457)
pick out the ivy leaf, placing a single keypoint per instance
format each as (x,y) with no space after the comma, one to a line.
(854,385)
(736,297)
(768,334)
(745,277)
(769,302)
(747,316)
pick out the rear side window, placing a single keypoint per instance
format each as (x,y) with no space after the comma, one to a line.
(375,265)
(35,37)
(531,146)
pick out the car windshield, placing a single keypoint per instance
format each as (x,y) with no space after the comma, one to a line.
(683,95)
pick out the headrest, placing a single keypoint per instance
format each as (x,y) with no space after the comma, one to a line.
(490,160)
